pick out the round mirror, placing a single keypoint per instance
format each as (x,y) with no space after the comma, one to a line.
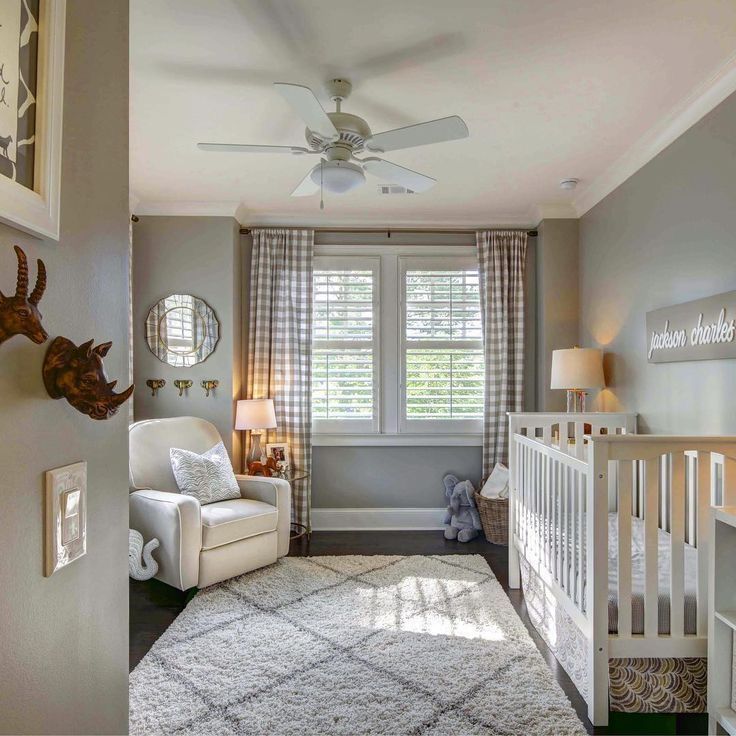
(182,330)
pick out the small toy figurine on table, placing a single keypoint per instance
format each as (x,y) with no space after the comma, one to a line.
(267,469)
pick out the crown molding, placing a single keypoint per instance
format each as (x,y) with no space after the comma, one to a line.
(380,223)
(322,218)
(553,211)
(689,111)
(187,209)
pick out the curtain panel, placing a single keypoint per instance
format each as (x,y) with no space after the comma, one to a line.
(501,259)
(280,344)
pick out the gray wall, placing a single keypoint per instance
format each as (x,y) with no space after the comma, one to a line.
(64,642)
(388,477)
(665,236)
(557,302)
(200,256)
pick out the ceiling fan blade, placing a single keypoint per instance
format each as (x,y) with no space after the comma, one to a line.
(306,186)
(245,148)
(307,106)
(410,55)
(421,134)
(398,174)
(286,26)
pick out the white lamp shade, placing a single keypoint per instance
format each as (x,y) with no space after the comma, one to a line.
(255,414)
(577,368)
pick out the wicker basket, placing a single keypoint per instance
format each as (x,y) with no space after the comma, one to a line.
(494,516)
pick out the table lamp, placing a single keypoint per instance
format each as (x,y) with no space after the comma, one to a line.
(576,369)
(255,414)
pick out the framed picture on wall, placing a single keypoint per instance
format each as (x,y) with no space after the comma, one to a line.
(31,91)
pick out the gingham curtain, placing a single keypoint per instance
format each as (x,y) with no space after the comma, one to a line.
(280,343)
(501,258)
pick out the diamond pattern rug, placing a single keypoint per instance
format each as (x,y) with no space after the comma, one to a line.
(350,645)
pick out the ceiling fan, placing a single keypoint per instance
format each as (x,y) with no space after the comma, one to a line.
(338,136)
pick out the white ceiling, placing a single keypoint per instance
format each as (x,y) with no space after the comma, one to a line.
(573,88)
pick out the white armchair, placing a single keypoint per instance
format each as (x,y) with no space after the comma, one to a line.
(202,545)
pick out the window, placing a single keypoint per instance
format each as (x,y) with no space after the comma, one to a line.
(397,360)
(344,349)
(442,346)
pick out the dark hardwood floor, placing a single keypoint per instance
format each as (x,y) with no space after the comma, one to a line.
(154,605)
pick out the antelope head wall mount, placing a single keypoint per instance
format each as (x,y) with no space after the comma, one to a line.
(78,375)
(19,314)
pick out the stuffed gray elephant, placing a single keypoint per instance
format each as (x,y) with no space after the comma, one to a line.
(462,521)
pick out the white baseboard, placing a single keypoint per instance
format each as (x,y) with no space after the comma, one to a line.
(385,519)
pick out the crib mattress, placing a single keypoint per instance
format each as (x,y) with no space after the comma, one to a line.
(637,580)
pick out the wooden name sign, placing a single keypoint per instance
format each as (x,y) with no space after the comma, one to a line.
(701,330)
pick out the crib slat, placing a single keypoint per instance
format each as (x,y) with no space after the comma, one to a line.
(565,562)
(537,501)
(571,536)
(556,520)
(651,528)
(515,496)
(575,572)
(579,441)
(547,434)
(704,502)
(677,541)
(625,479)
(525,493)
(547,508)
(581,526)
(692,497)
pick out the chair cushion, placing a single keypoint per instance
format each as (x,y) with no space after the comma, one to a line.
(208,477)
(228,521)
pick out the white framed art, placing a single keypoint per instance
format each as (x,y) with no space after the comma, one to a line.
(31,111)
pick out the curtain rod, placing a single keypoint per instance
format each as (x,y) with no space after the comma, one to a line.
(530,233)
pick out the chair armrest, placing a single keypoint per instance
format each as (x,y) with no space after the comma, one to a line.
(277,492)
(175,520)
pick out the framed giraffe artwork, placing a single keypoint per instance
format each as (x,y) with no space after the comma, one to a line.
(31,92)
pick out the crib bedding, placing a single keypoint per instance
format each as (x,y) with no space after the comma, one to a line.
(637,580)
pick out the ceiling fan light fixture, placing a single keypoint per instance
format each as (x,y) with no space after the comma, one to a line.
(338,177)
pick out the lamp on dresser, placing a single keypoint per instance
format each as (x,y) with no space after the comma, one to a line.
(254,415)
(576,369)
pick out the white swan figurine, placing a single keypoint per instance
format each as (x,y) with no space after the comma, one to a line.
(138,555)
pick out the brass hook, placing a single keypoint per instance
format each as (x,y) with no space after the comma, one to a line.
(155,384)
(182,384)
(209,385)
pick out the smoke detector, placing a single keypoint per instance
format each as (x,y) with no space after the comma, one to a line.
(569,183)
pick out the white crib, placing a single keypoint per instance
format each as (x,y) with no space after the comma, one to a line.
(575,479)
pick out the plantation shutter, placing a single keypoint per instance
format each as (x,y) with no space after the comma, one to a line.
(443,346)
(344,340)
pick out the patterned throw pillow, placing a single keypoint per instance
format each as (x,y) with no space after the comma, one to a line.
(208,477)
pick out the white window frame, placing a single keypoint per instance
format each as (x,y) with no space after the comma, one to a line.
(355,263)
(431,426)
(387,355)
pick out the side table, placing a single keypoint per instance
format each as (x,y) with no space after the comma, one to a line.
(293,476)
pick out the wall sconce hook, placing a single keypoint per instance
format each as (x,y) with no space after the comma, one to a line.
(209,385)
(182,384)
(155,384)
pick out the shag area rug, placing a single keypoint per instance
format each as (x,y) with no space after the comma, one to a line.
(350,645)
